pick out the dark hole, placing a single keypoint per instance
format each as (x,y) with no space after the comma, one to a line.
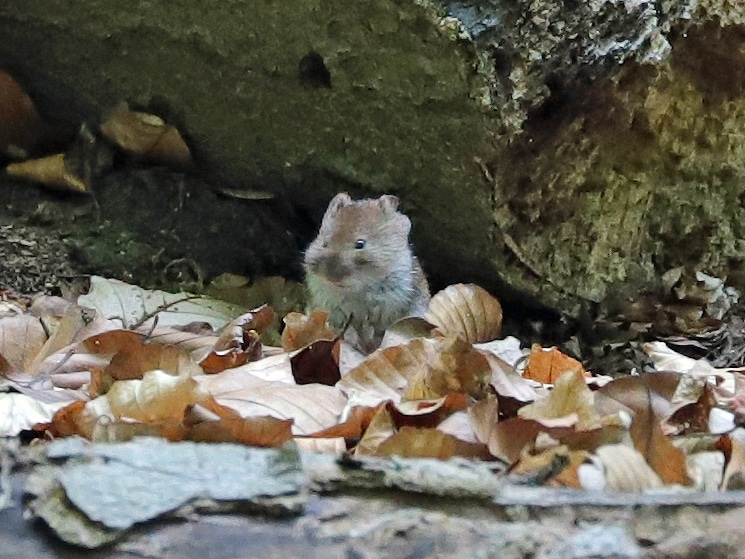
(312,72)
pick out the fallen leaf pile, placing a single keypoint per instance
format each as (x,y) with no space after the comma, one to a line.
(122,361)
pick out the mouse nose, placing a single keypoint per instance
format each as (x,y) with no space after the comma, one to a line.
(333,268)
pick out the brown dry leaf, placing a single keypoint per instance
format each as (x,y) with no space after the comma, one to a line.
(302,330)
(413,442)
(233,335)
(313,407)
(617,468)
(643,392)
(216,423)
(239,341)
(691,416)
(76,324)
(21,126)
(668,461)
(483,417)
(146,135)
(5,367)
(50,171)
(133,354)
(509,438)
(466,310)
(317,363)
(379,430)
(386,373)
(159,395)
(154,405)
(453,365)
(570,404)
(197,344)
(273,368)
(507,382)
(547,365)
(734,473)
(357,423)
(21,339)
(217,361)
(426,413)
(419,370)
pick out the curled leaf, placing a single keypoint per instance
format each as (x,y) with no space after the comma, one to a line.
(146,135)
(50,171)
(571,403)
(302,330)
(468,311)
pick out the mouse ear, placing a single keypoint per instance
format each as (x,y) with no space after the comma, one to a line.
(340,200)
(388,203)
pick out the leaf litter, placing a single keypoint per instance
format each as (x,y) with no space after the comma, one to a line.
(134,362)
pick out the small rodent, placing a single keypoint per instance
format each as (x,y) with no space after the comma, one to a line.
(361,266)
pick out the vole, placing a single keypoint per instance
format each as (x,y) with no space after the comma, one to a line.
(360,268)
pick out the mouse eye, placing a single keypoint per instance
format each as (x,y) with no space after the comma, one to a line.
(359,244)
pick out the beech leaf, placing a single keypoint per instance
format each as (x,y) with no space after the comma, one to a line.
(466,310)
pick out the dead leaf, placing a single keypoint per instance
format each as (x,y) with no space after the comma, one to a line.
(152,406)
(413,442)
(159,395)
(426,413)
(20,412)
(145,135)
(21,126)
(665,459)
(547,365)
(459,426)
(132,355)
(218,361)
(238,342)
(134,307)
(302,330)
(509,438)
(357,423)
(617,468)
(216,423)
(570,403)
(643,392)
(734,473)
(21,340)
(336,445)
(386,373)
(466,310)
(452,366)
(507,382)
(317,363)
(379,430)
(50,171)
(313,407)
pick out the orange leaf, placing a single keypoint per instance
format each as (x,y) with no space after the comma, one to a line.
(668,461)
(226,425)
(547,365)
